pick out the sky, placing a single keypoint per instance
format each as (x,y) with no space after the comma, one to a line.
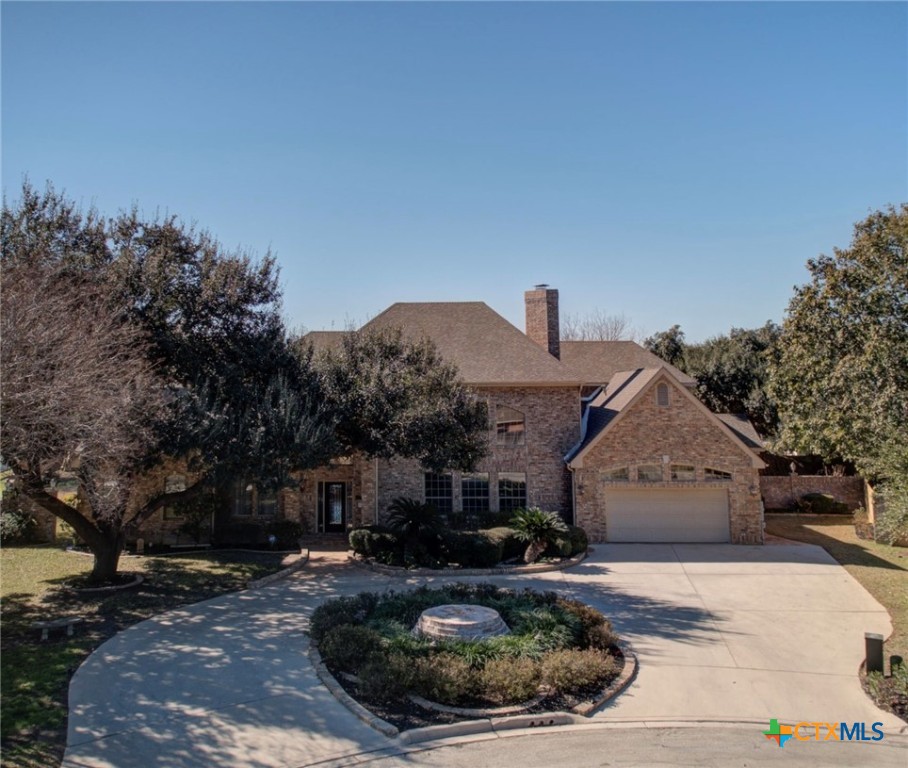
(677,163)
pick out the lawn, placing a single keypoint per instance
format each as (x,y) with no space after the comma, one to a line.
(35,675)
(882,570)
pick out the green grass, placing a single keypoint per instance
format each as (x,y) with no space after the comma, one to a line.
(881,569)
(34,675)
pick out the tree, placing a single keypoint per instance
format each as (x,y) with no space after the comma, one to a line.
(732,373)
(841,377)
(731,370)
(597,326)
(394,397)
(669,345)
(130,344)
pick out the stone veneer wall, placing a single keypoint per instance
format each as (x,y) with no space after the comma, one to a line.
(682,432)
(781,492)
(552,417)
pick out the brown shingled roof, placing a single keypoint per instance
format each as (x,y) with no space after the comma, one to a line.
(597,361)
(323,341)
(484,346)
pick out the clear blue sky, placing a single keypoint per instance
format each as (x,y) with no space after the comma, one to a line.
(676,162)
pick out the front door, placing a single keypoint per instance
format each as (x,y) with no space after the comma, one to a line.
(336,507)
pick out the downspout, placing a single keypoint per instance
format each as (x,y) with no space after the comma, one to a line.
(375,493)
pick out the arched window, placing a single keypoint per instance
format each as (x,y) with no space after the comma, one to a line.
(662,395)
(510,426)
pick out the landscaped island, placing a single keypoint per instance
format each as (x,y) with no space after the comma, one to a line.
(547,653)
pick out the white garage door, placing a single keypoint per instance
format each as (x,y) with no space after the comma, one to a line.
(667,514)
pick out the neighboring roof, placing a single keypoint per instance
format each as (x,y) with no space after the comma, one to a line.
(623,390)
(485,347)
(741,426)
(597,361)
(324,340)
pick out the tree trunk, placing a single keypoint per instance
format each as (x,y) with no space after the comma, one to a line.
(534,550)
(107,557)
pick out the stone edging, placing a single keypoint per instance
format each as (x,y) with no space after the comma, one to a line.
(396,570)
(373,721)
(514,709)
(493,719)
(628,673)
(137,578)
(277,576)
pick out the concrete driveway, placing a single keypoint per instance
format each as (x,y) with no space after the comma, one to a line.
(723,633)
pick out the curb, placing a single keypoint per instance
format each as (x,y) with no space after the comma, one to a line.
(510,570)
(277,576)
(628,673)
(344,698)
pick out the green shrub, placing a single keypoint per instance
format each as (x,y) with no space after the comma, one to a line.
(537,529)
(373,541)
(595,630)
(445,678)
(580,542)
(891,525)
(348,647)
(471,549)
(511,547)
(571,671)
(287,533)
(17,526)
(386,679)
(339,612)
(560,546)
(509,680)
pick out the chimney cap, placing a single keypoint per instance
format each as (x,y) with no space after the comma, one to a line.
(540,286)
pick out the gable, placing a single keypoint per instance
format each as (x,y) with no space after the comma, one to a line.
(626,422)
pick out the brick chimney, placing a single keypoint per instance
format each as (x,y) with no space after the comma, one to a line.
(542,318)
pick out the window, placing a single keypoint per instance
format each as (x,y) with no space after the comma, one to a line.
(649,473)
(683,472)
(510,426)
(474,491)
(249,500)
(174,484)
(439,492)
(243,499)
(512,491)
(618,475)
(662,395)
(716,474)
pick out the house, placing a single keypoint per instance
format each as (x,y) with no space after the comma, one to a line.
(605,433)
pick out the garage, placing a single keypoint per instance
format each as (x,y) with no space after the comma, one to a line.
(667,515)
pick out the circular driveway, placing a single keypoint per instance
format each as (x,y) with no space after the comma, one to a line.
(724,635)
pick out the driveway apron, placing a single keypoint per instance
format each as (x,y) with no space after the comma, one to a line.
(722,632)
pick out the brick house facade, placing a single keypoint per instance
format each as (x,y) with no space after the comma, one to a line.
(604,433)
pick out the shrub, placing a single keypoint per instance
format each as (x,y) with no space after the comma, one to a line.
(892,524)
(16,524)
(242,535)
(287,533)
(445,678)
(595,630)
(348,647)
(373,541)
(340,612)
(511,547)
(509,680)
(560,546)
(386,679)
(471,549)
(571,671)
(580,542)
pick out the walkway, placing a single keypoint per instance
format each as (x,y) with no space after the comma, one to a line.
(723,633)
